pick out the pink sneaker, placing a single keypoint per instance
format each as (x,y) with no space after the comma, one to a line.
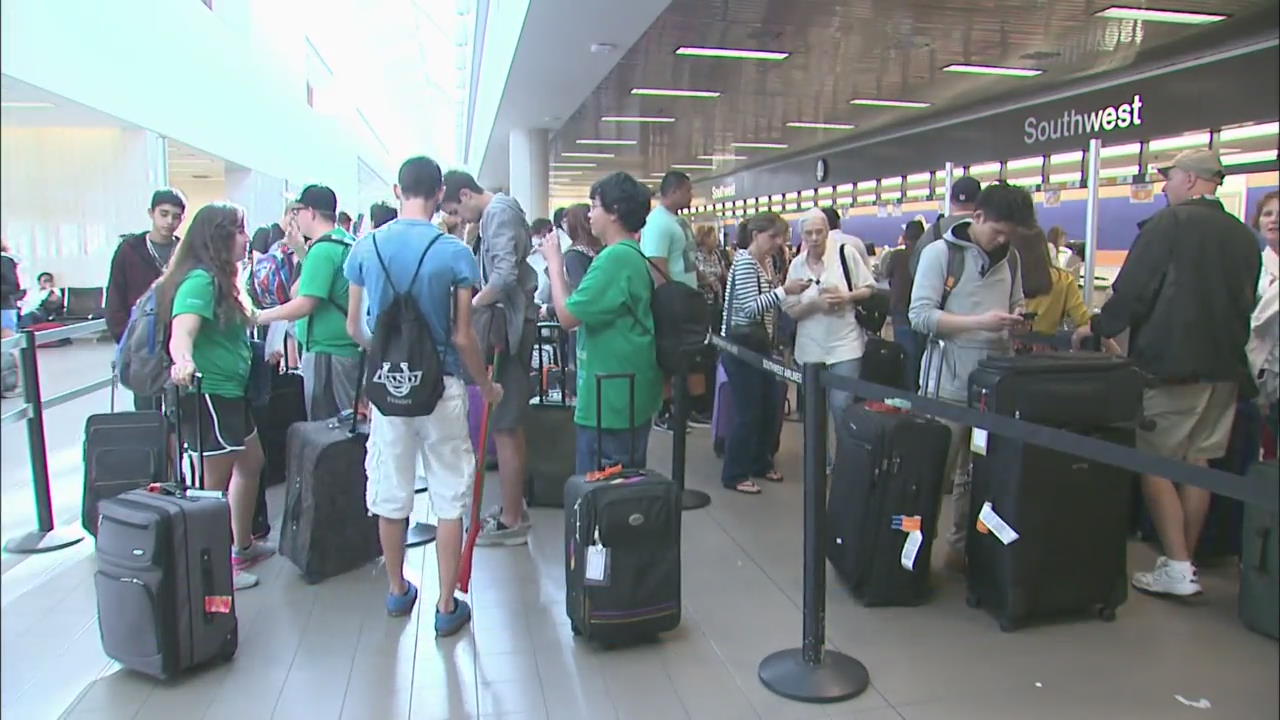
(254,554)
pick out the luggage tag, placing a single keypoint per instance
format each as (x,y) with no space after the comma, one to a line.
(910,524)
(993,523)
(596,571)
(217,604)
(596,475)
(978,441)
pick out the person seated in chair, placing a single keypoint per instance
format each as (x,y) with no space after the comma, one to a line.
(44,304)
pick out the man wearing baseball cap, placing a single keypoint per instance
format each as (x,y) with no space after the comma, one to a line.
(1186,293)
(331,359)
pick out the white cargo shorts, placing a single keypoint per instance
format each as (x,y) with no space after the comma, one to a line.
(443,441)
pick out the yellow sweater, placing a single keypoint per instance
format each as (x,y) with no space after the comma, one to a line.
(1061,302)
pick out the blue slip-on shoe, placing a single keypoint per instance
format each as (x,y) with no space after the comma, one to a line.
(401,605)
(449,623)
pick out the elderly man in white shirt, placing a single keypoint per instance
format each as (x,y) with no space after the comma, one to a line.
(827,329)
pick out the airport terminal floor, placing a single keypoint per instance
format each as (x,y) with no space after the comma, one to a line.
(330,651)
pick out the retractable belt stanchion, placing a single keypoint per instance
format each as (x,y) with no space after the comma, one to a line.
(45,537)
(690,499)
(812,673)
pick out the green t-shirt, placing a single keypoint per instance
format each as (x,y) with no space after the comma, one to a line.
(616,336)
(668,236)
(221,350)
(325,330)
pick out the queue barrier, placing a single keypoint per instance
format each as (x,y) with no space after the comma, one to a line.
(814,673)
(46,536)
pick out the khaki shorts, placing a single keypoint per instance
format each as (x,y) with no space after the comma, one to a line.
(1193,422)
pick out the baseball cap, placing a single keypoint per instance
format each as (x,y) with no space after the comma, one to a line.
(318,197)
(965,190)
(1202,163)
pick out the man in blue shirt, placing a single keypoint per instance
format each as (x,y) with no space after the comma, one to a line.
(443,290)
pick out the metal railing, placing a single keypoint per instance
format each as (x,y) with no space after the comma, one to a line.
(46,536)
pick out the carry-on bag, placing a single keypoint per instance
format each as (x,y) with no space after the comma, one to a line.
(123,451)
(549,433)
(882,512)
(285,406)
(1047,529)
(326,529)
(1260,562)
(164,585)
(622,549)
(722,410)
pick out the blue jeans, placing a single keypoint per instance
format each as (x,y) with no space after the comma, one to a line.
(756,424)
(912,344)
(9,319)
(838,400)
(596,450)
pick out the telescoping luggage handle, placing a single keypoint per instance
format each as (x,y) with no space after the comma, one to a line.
(554,334)
(614,470)
(181,487)
(355,402)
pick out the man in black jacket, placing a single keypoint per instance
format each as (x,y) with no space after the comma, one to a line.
(1186,292)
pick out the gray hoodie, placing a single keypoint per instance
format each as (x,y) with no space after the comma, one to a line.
(983,287)
(504,250)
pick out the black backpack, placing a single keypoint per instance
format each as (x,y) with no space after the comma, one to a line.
(872,312)
(681,320)
(405,373)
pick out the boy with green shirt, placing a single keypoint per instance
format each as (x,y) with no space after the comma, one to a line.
(331,359)
(610,308)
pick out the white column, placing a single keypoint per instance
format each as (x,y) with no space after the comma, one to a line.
(528,150)
(946,189)
(1091,222)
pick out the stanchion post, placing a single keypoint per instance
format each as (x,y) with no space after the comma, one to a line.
(811,673)
(689,499)
(43,538)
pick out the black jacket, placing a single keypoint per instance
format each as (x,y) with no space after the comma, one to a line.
(1187,290)
(10,286)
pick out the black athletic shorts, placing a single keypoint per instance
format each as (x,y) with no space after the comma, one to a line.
(226,423)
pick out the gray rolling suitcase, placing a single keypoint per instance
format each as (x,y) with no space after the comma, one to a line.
(549,433)
(123,451)
(165,595)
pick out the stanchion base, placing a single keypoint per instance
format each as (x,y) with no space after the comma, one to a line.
(694,499)
(39,542)
(838,677)
(420,534)
(419,485)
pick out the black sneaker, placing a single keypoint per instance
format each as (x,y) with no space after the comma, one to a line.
(662,422)
(699,420)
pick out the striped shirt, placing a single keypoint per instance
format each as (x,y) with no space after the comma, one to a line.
(753,295)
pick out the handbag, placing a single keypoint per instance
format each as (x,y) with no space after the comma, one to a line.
(753,336)
(871,313)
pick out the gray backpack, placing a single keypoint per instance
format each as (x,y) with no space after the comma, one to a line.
(142,357)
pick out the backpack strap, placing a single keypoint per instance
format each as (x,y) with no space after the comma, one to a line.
(373,238)
(844,266)
(1014,261)
(955,268)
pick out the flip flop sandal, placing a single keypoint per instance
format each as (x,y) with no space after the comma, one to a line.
(747,487)
(773,476)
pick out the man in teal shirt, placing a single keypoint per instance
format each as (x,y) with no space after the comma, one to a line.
(610,308)
(331,359)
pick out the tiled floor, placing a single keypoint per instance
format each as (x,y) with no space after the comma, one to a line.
(329,651)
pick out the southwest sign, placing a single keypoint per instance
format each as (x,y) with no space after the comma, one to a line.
(1072,123)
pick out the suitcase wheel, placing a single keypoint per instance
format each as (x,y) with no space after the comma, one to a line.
(574,627)
(972,601)
(229,646)
(1107,614)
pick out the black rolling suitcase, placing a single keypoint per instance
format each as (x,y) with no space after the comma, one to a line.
(1047,529)
(285,406)
(622,551)
(882,511)
(550,432)
(164,585)
(123,451)
(326,529)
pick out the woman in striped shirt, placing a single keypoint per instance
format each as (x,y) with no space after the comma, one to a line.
(755,292)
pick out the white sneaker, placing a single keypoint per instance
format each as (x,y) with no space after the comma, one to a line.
(243,580)
(1168,579)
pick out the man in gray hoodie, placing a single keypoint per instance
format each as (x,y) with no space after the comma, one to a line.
(968,317)
(508,283)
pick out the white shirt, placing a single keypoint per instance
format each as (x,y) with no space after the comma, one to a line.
(822,336)
(838,237)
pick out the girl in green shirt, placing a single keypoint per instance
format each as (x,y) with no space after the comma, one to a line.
(209,318)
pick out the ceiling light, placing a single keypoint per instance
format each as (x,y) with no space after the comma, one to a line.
(572,164)
(586,155)
(1067,157)
(1065,177)
(844,189)
(984,168)
(991,70)
(722,157)
(921,192)
(1180,141)
(1249,131)
(821,125)
(565,172)
(25,104)
(1121,12)
(600,141)
(762,145)
(866,198)
(694,167)
(637,119)
(731,53)
(1246,158)
(1121,150)
(889,103)
(668,92)
(1122,171)
(891,195)
(867,185)
(1024,163)
(1029,180)
(918,177)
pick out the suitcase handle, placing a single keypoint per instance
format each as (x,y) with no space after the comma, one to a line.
(198,386)
(932,342)
(631,412)
(553,334)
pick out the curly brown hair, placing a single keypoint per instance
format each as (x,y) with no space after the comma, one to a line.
(210,244)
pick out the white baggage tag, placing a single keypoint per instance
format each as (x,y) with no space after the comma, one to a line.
(978,441)
(597,567)
(910,549)
(996,524)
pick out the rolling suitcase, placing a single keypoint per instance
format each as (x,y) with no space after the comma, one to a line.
(1260,562)
(164,585)
(285,406)
(622,550)
(550,433)
(1047,529)
(123,451)
(326,529)
(722,410)
(882,511)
